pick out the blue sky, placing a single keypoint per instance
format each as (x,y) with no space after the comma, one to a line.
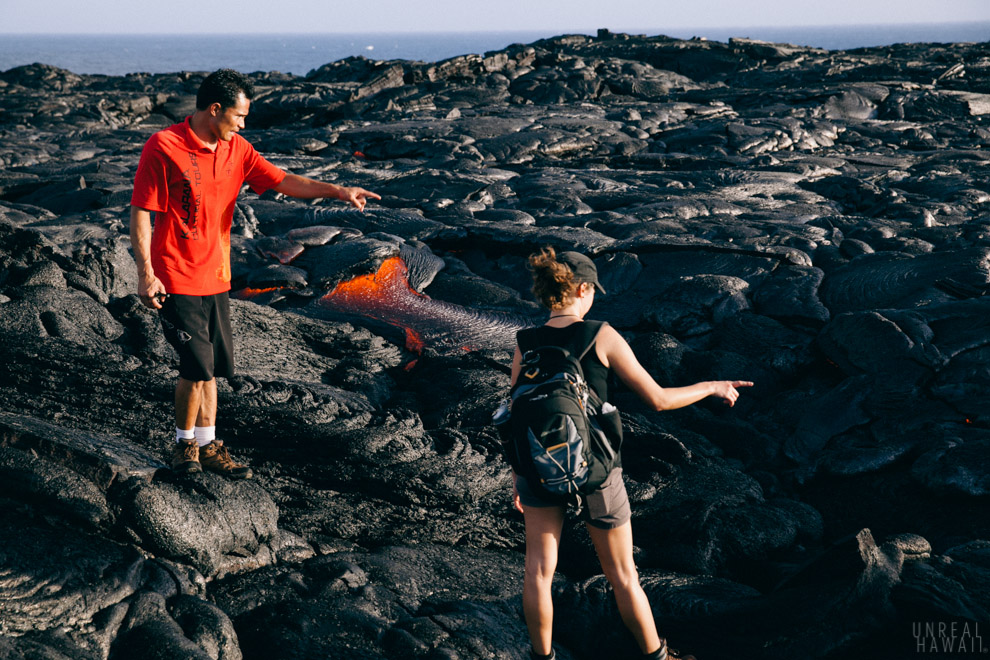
(556,16)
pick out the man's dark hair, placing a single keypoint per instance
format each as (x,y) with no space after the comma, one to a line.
(223,86)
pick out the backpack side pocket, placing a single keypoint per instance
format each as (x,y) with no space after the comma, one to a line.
(502,420)
(610,423)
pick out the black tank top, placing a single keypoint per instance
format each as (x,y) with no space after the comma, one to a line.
(575,338)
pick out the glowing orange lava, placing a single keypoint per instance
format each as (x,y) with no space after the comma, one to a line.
(413,341)
(383,295)
(248,293)
(391,273)
(386,296)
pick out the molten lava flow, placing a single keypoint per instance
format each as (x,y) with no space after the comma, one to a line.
(382,296)
(392,273)
(248,293)
(415,343)
(386,296)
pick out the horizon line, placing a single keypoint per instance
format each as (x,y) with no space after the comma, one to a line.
(653,31)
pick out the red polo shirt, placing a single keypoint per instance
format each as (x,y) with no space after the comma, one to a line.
(192,191)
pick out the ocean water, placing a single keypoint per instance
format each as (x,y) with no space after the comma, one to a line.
(300,53)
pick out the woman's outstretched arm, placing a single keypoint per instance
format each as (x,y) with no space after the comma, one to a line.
(616,353)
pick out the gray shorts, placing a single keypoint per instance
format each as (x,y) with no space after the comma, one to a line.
(606,508)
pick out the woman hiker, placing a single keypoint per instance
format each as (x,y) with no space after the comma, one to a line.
(566,285)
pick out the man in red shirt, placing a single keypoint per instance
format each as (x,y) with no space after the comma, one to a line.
(189,176)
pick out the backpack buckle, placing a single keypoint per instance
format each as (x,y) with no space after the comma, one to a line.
(531,357)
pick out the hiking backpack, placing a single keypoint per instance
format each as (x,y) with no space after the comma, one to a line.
(554,431)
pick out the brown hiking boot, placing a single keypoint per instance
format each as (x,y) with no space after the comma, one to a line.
(185,458)
(216,458)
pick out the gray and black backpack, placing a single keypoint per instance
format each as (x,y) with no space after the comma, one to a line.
(554,431)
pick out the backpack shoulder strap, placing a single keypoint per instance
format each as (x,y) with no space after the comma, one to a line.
(594,327)
(524,339)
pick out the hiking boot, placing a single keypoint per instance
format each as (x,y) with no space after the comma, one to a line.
(215,458)
(185,458)
(664,653)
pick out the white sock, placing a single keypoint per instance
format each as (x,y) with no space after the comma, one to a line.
(205,435)
(182,435)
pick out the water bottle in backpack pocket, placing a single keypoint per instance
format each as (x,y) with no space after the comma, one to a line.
(609,422)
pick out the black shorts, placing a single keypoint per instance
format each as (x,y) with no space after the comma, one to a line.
(199,329)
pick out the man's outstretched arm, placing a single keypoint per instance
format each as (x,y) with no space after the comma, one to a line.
(299,186)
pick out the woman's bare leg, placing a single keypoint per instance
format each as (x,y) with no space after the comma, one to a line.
(615,551)
(543,529)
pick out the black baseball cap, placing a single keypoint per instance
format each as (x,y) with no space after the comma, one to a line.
(583,268)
